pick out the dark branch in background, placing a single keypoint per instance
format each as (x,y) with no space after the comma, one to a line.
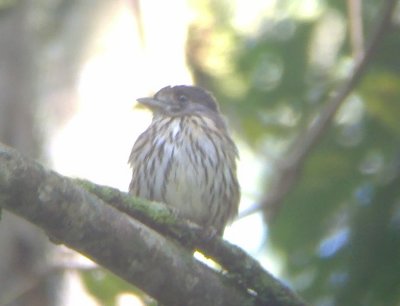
(355,25)
(77,218)
(240,267)
(289,169)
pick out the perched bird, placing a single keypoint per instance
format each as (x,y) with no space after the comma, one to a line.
(186,158)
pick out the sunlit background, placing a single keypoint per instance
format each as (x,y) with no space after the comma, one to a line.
(75,70)
(118,68)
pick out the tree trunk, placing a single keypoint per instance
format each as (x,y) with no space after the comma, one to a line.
(22,246)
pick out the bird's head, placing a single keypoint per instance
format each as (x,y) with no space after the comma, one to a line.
(181,100)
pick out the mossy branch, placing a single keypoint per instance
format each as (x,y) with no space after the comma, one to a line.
(239,266)
(84,219)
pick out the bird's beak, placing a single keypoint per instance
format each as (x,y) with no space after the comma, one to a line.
(150,103)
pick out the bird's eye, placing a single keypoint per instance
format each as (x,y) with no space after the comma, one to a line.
(182,99)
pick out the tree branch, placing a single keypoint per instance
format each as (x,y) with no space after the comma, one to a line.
(133,251)
(240,267)
(129,249)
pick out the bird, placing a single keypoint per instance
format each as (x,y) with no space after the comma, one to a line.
(186,158)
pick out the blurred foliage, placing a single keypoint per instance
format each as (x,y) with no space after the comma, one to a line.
(106,287)
(339,229)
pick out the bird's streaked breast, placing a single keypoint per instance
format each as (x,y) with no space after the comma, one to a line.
(189,164)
